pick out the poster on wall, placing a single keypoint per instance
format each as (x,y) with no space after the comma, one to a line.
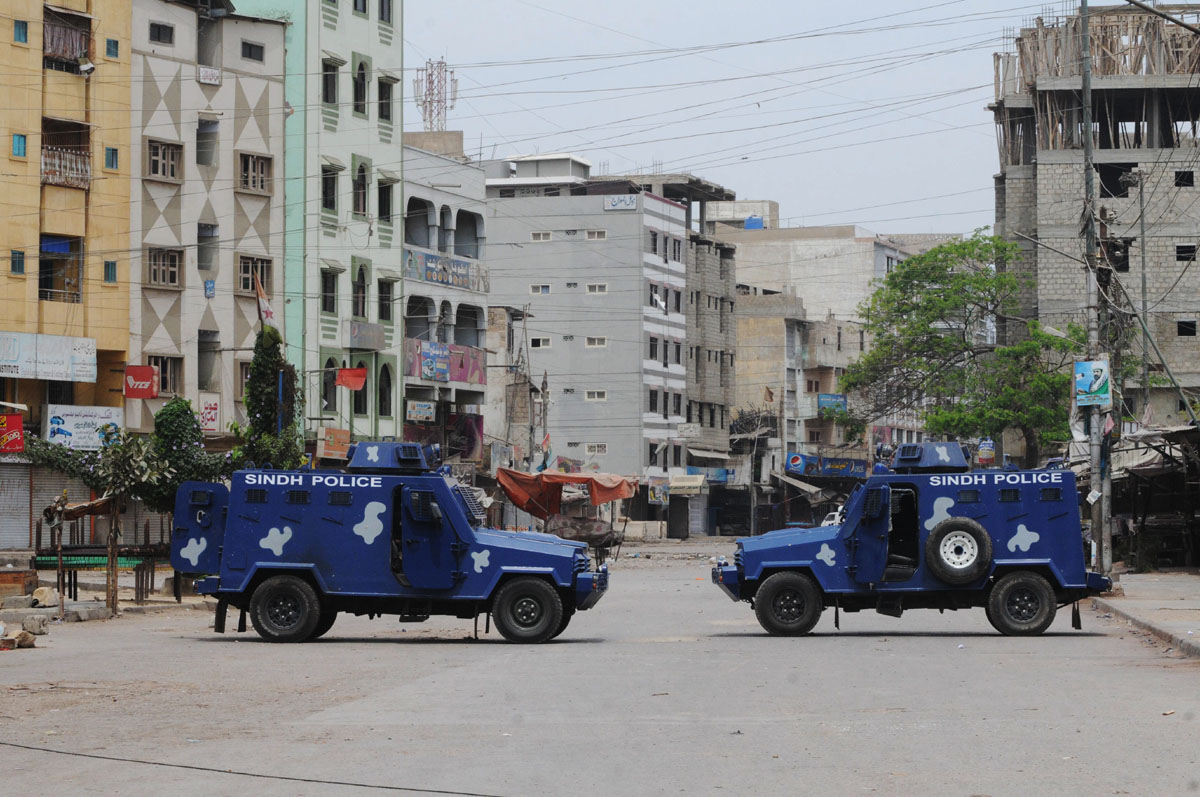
(208,412)
(80,427)
(464,437)
(421,411)
(333,443)
(435,361)
(658,491)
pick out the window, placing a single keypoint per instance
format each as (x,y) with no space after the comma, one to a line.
(329,82)
(678,406)
(814,436)
(653,348)
(839,339)
(385,11)
(248,267)
(243,378)
(712,416)
(112,159)
(385,300)
(163,160)
(677,250)
(862,340)
(329,386)
(328,188)
(208,133)
(385,101)
(1010,496)
(596,395)
(112,48)
(358,398)
(812,386)
(360,6)
(653,400)
(1185,179)
(539,237)
(596,449)
(18,145)
(539,289)
(360,89)
(385,203)
(1111,185)
(597,342)
(653,453)
(170,373)
(1051,493)
(16,262)
(678,353)
(329,291)
(164,266)
(207,236)
(507,193)
(1185,329)
(676,455)
(597,235)
(678,301)
(654,242)
(539,343)
(252,51)
(597,287)
(384,398)
(110,271)
(163,34)
(1185,252)
(358,294)
(21,31)
(255,174)
(359,189)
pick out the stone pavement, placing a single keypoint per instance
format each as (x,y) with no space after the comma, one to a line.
(1165,604)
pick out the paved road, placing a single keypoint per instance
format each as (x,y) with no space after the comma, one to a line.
(667,687)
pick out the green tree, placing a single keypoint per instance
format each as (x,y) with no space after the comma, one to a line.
(931,352)
(178,440)
(272,432)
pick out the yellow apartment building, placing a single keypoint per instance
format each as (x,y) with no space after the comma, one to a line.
(64,232)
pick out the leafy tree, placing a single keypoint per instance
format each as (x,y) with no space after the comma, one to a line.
(178,440)
(272,433)
(931,350)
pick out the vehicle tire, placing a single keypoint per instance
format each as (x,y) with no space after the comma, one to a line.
(328,616)
(1022,604)
(527,609)
(566,618)
(958,551)
(788,604)
(285,609)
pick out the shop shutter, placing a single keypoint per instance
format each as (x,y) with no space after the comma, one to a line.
(14,506)
(48,486)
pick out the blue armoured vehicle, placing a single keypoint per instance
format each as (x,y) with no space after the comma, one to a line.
(926,534)
(388,535)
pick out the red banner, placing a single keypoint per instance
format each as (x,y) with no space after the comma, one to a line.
(353,378)
(141,381)
(12,434)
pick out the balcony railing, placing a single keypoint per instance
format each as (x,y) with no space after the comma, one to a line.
(66,167)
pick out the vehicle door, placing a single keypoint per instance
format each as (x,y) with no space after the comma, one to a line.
(196,537)
(870,537)
(429,561)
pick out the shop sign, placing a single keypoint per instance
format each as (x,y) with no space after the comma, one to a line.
(421,411)
(12,434)
(209,412)
(80,427)
(333,443)
(141,382)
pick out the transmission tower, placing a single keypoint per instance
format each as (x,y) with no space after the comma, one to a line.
(435,90)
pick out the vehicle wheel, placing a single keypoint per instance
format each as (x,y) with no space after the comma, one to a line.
(958,551)
(285,609)
(328,616)
(1022,604)
(788,604)
(566,618)
(527,610)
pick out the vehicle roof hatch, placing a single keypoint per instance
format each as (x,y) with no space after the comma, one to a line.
(929,458)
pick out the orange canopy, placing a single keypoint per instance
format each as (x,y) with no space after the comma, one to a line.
(540,494)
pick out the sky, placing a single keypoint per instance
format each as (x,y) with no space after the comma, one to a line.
(870,112)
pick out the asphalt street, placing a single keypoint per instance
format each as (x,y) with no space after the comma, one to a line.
(666,687)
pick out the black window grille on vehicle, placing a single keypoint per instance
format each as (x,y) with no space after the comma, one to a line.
(1051,493)
(200,498)
(421,504)
(968,496)
(297,496)
(1010,496)
(256,495)
(340,498)
(474,508)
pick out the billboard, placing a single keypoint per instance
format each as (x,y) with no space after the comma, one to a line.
(141,382)
(435,361)
(421,411)
(79,427)
(831,401)
(26,355)
(837,467)
(12,434)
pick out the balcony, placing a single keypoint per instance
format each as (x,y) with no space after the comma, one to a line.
(66,41)
(71,168)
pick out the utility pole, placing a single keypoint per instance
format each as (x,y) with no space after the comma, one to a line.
(1100,530)
(1141,182)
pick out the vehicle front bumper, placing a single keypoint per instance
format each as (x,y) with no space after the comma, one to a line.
(1098,583)
(728,579)
(590,587)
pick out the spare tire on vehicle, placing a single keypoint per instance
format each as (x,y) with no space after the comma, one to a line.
(958,551)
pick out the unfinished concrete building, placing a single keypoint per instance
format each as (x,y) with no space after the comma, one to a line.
(1146,108)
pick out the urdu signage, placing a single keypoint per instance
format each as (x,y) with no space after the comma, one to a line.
(621,202)
(26,355)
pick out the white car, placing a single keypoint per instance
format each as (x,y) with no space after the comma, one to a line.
(833,518)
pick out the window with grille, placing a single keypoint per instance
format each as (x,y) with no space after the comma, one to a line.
(1010,496)
(170,373)
(163,266)
(163,159)
(248,266)
(255,173)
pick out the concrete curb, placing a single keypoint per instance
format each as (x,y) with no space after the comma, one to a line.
(1187,647)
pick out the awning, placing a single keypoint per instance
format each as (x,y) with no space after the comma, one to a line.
(386,176)
(387,75)
(692,484)
(332,265)
(707,453)
(799,485)
(71,11)
(332,58)
(66,121)
(540,494)
(329,160)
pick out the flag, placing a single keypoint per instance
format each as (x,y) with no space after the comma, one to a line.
(266,315)
(353,378)
(768,395)
(1109,424)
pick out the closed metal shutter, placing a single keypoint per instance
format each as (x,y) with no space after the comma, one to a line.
(14,506)
(698,514)
(48,485)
